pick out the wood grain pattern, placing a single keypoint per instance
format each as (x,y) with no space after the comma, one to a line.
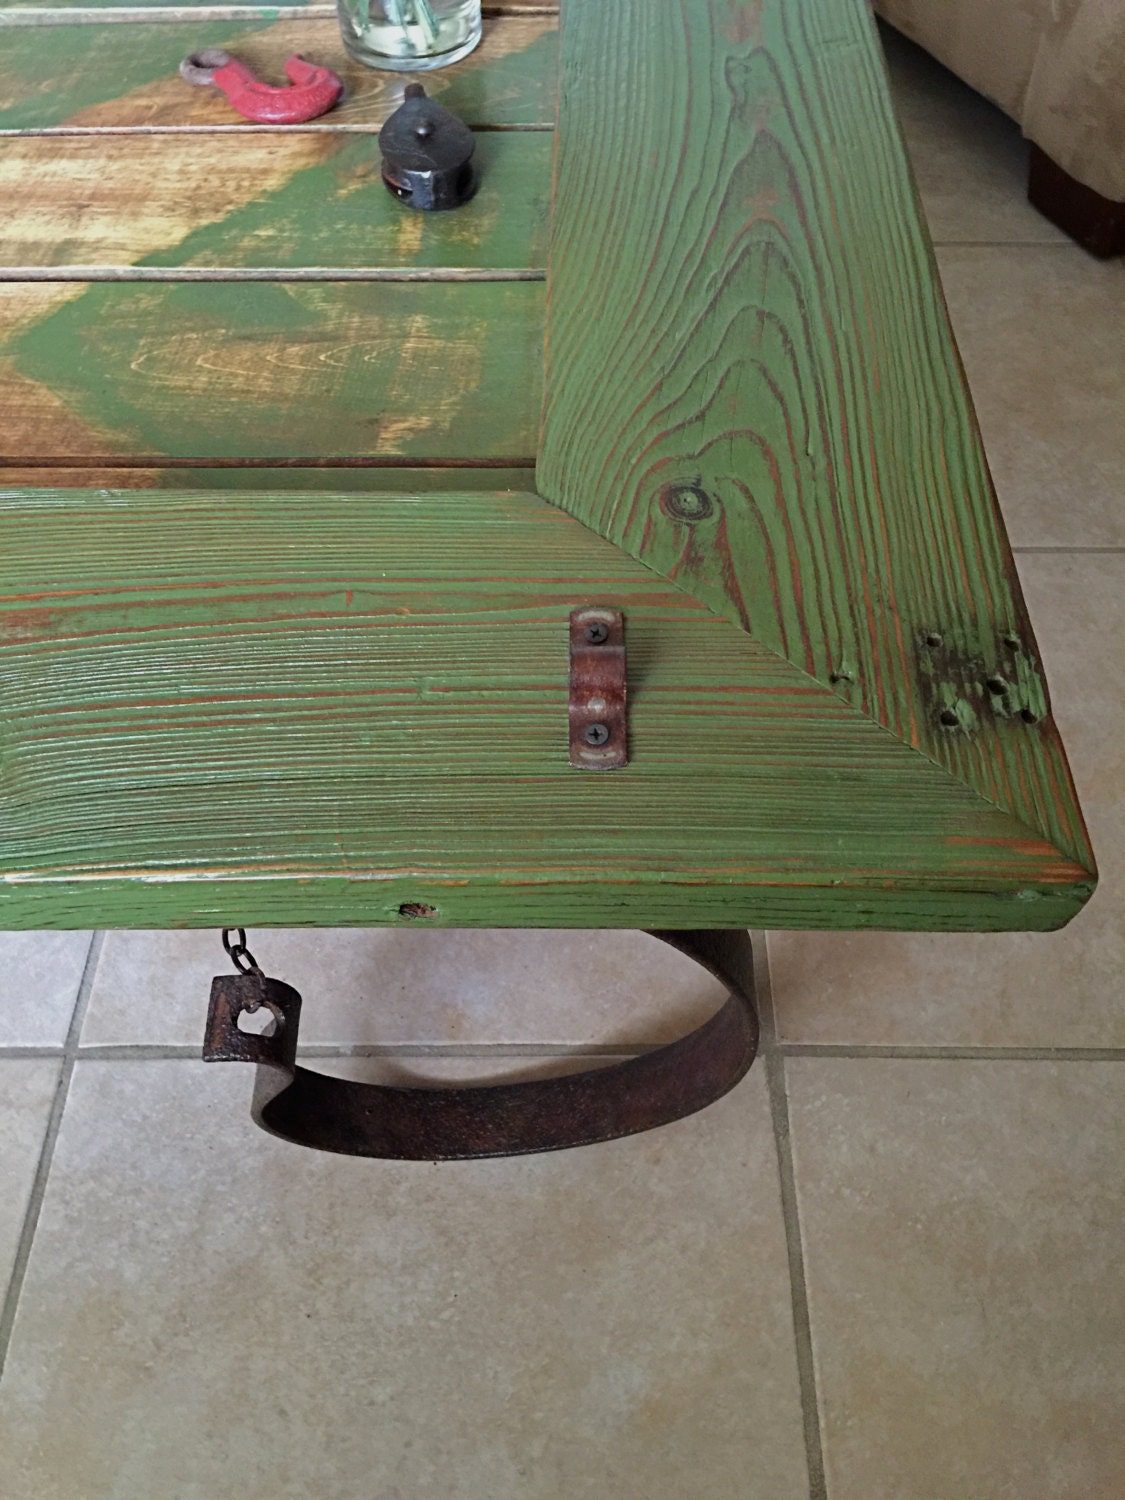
(281,201)
(261,370)
(220,704)
(87,76)
(312,478)
(291,712)
(752,385)
(18,13)
(42,12)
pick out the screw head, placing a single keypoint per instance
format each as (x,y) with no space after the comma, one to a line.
(596,734)
(597,634)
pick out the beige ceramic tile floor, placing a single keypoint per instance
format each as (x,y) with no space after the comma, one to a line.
(888,1267)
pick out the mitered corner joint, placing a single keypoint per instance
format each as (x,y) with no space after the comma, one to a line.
(598,731)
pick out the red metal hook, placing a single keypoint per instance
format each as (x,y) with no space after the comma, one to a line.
(311,90)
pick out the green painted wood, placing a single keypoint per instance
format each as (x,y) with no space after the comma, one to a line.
(49,74)
(282,201)
(251,708)
(86,76)
(228,706)
(361,479)
(752,385)
(32,12)
(19,13)
(268,370)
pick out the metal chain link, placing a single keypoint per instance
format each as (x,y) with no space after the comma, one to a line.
(240,955)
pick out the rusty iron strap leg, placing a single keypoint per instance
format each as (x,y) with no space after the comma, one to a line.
(507,1119)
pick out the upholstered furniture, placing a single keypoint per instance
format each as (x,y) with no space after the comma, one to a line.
(1058,68)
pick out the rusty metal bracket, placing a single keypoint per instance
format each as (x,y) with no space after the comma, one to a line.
(599,738)
(505,1119)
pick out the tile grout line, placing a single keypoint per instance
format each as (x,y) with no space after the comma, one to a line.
(47,1153)
(953,1053)
(190,1051)
(1068,551)
(1006,245)
(170,1051)
(773,1061)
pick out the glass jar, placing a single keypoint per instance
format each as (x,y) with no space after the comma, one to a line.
(409,35)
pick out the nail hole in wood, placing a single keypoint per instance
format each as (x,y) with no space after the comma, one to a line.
(996,685)
(413,910)
(933,639)
(949,718)
(1029,716)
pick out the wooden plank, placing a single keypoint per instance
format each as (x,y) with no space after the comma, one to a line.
(109,76)
(360,479)
(752,383)
(16,13)
(252,708)
(279,201)
(29,12)
(261,370)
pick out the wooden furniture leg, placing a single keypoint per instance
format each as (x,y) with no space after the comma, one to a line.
(1097,223)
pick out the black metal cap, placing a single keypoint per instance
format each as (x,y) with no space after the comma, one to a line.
(426,153)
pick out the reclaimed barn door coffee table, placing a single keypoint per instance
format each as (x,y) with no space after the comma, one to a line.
(617,550)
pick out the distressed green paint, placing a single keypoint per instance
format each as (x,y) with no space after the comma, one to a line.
(752,384)
(228,706)
(16,13)
(56,75)
(519,86)
(334,213)
(339,213)
(504,895)
(298,369)
(292,712)
(955,680)
(361,479)
(48,73)
(16,9)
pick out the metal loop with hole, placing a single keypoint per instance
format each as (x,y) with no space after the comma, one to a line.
(201,67)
